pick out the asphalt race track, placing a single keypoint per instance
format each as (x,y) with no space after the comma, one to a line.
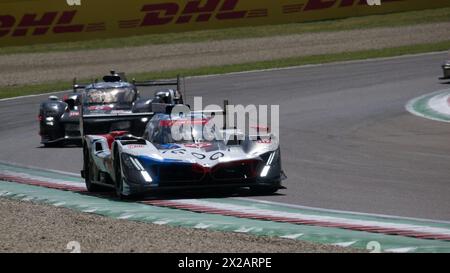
(347,141)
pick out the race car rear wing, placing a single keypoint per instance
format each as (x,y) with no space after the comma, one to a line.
(121,77)
(176,83)
(97,124)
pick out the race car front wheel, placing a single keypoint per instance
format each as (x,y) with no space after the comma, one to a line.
(89,173)
(118,175)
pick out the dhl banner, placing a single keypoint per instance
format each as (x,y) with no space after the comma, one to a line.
(44,21)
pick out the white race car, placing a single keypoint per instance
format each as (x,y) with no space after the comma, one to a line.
(133,165)
(446,70)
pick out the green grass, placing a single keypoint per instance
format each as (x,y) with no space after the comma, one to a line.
(13,91)
(372,21)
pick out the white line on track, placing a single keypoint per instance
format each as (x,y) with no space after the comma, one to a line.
(344,244)
(77,175)
(201,226)
(35,95)
(322,64)
(268,70)
(400,250)
(292,236)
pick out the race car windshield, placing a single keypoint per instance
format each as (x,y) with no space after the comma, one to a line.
(199,134)
(186,134)
(110,95)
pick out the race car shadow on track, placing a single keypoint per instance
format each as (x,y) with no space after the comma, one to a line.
(174,194)
(68,144)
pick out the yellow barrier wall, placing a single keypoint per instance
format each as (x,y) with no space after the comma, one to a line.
(43,21)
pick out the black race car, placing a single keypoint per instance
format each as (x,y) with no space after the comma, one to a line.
(59,121)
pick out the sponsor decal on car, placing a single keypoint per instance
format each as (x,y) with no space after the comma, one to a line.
(100,107)
(136,146)
(199,145)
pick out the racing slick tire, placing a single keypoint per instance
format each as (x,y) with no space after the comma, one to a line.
(87,163)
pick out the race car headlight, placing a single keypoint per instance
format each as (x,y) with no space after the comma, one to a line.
(270,160)
(265,171)
(146,176)
(49,121)
(134,170)
(271,157)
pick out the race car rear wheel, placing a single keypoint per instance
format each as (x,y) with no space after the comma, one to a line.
(89,173)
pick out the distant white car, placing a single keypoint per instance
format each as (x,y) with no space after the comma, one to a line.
(446,70)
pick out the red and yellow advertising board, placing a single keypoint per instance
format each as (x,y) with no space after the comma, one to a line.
(43,21)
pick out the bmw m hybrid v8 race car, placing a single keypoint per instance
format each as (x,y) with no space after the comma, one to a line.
(59,119)
(134,165)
